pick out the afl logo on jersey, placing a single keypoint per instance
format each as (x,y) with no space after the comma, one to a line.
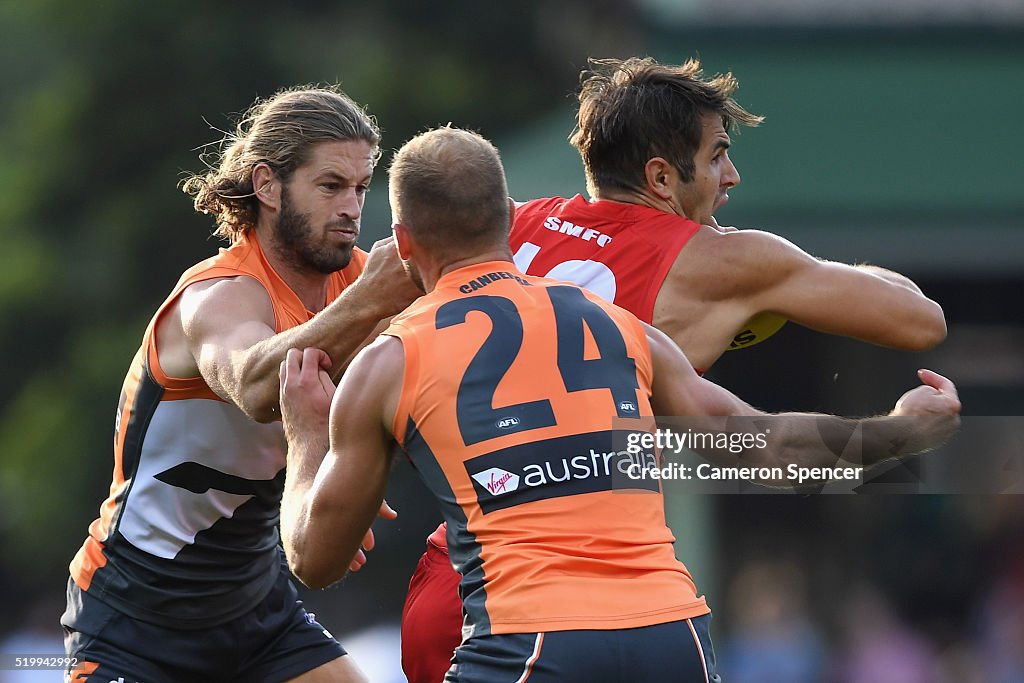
(627,407)
(507,423)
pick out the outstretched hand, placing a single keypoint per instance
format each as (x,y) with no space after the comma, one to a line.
(935,407)
(936,396)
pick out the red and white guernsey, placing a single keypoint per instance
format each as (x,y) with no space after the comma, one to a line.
(621,252)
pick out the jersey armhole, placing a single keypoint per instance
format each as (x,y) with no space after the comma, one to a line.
(660,274)
(410,379)
(644,364)
(189,387)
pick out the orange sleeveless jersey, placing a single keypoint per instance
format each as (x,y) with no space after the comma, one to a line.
(621,252)
(508,410)
(188,535)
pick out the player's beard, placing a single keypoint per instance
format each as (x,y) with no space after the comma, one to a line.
(300,245)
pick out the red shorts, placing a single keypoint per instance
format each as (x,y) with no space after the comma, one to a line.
(432,618)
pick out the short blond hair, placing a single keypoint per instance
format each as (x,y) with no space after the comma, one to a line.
(448,187)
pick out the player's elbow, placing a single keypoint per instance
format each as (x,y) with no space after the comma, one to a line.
(309,579)
(930,329)
(310,573)
(256,389)
(259,403)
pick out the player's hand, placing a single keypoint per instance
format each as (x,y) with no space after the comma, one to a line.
(385,512)
(936,396)
(306,393)
(384,284)
(935,407)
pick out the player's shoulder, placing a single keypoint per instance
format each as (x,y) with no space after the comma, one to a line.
(714,258)
(226,288)
(383,351)
(220,305)
(540,204)
(736,243)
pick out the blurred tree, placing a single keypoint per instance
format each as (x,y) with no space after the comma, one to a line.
(104,106)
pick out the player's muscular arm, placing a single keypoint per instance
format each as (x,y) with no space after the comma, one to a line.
(750,271)
(891,276)
(329,505)
(864,302)
(228,328)
(801,439)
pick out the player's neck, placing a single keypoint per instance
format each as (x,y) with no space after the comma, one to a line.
(447,265)
(309,284)
(635,197)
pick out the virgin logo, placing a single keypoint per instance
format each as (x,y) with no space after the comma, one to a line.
(497,481)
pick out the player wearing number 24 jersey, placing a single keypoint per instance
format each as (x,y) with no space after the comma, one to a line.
(508,477)
(621,252)
(654,141)
(509,393)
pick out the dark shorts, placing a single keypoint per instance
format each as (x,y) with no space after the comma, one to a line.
(679,651)
(431,618)
(275,641)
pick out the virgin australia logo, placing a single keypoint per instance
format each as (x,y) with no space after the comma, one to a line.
(497,481)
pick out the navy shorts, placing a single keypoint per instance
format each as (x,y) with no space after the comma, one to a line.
(678,651)
(275,641)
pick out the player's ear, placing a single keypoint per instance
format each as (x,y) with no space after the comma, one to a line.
(266,186)
(403,240)
(511,213)
(660,177)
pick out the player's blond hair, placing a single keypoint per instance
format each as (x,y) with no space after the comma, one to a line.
(281,132)
(448,187)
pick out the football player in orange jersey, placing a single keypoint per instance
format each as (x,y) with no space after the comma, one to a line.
(182,577)
(654,140)
(493,373)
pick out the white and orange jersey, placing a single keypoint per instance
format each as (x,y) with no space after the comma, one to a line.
(188,535)
(518,395)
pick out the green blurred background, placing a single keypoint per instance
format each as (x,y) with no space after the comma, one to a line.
(891,136)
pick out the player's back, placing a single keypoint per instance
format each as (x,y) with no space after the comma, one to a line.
(517,391)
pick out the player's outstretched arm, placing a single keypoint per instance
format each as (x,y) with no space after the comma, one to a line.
(330,500)
(923,418)
(731,277)
(229,328)
(864,302)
